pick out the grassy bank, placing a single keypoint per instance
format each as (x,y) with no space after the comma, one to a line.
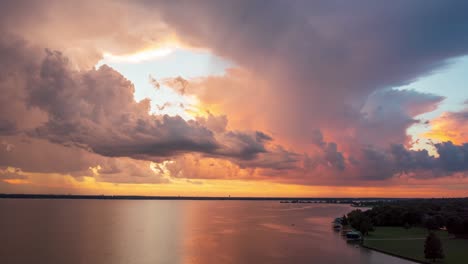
(409,243)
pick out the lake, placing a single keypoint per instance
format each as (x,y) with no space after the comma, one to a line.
(175,231)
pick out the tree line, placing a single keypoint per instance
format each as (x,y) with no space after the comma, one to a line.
(433,214)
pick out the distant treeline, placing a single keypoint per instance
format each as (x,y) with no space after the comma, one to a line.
(451,214)
(137,197)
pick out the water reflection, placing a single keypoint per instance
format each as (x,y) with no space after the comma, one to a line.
(106,231)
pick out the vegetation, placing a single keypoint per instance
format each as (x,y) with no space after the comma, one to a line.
(457,226)
(433,247)
(409,243)
(429,213)
(360,221)
(418,229)
(407,225)
(344,221)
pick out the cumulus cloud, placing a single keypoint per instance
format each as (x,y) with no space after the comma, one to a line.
(214,123)
(330,154)
(387,114)
(323,59)
(96,109)
(378,164)
(127,170)
(328,69)
(453,157)
(53,24)
(93,112)
(305,71)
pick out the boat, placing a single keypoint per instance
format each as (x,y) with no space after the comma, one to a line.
(353,236)
(345,230)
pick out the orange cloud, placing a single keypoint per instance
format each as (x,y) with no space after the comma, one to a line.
(55,183)
(290,82)
(450,126)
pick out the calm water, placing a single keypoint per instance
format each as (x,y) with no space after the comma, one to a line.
(211,232)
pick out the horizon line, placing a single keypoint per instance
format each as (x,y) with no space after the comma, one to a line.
(156,197)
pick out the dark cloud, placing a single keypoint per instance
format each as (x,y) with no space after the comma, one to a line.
(377,164)
(306,65)
(317,138)
(410,160)
(329,154)
(334,157)
(277,158)
(453,157)
(324,58)
(95,111)
(244,146)
(387,114)
(262,137)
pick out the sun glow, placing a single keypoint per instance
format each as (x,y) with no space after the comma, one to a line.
(140,56)
(163,74)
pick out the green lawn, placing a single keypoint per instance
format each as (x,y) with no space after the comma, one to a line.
(400,241)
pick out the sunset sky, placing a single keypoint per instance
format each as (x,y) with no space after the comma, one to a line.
(241,98)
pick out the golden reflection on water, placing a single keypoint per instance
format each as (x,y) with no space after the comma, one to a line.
(268,232)
(205,232)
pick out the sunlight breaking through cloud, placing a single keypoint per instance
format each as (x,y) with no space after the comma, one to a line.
(139,56)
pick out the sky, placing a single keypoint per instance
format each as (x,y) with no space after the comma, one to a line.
(239,98)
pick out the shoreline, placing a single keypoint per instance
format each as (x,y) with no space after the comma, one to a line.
(394,255)
(345,200)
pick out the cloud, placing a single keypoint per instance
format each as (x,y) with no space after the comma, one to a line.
(86,114)
(38,155)
(330,155)
(18,59)
(451,126)
(178,83)
(195,166)
(410,160)
(453,157)
(52,24)
(387,114)
(311,94)
(376,164)
(11,174)
(214,123)
(96,109)
(278,159)
(322,59)
(127,170)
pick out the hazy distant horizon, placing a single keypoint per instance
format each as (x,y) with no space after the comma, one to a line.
(179,197)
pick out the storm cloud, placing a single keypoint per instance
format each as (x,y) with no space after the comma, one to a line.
(322,59)
(95,111)
(313,90)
